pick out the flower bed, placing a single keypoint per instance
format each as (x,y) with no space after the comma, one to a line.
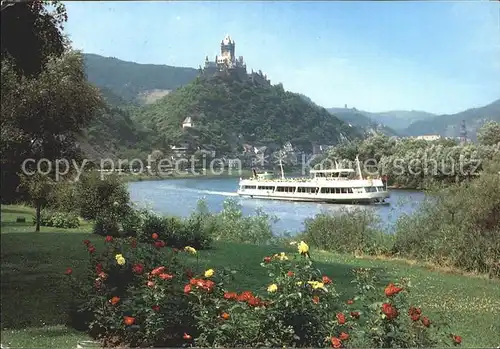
(147,294)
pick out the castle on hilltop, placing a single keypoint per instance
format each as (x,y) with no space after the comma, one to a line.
(226,64)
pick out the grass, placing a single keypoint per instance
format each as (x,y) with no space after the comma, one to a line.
(34,295)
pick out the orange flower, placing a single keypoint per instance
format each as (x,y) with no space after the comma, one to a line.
(186,336)
(187,288)
(426,322)
(336,342)
(341,318)
(155,236)
(389,311)
(128,320)
(391,290)
(290,273)
(114,300)
(350,301)
(315,299)
(164,276)
(158,271)
(68,271)
(225,316)
(344,336)
(326,280)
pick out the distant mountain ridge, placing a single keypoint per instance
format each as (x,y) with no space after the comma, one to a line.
(449,125)
(361,120)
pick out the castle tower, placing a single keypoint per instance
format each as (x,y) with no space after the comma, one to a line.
(227,48)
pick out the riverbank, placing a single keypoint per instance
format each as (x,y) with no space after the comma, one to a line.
(33,266)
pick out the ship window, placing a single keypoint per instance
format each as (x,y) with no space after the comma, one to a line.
(349,190)
(371,189)
(344,190)
(380,188)
(250,187)
(281,189)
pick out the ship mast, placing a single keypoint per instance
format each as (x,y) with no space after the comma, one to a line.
(359,168)
(282,173)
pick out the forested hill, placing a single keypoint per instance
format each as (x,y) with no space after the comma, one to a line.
(228,113)
(134,82)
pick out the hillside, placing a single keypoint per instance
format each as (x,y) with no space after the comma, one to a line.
(228,113)
(362,121)
(449,125)
(399,119)
(134,82)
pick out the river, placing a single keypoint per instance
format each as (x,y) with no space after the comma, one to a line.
(180,197)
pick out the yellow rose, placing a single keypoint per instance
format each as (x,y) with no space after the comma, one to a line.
(282,256)
(209,273)
(272,288)
(120,261)
(316,284)
(190,249)
(299,283)
(303,247)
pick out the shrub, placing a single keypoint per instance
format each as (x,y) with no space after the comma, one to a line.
(50,218)
(63,197)
(348,231)
(231,225)
(458,226)
(139,294)
(108,197)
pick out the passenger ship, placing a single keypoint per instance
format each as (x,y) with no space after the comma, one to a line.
(336,185)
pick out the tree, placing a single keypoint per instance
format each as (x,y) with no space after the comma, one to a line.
(489,133)
(38,187)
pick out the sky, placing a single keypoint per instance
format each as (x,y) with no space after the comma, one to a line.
(436,56)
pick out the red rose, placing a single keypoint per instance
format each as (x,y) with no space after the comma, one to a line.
(91,249)
(155,236)
(326,280)
(414,313)
(86,242)
(138,268)
(245,296)
(98,268)
(186,336)
(165,276)
(389,311)
(391,290)
(341,318)
(230,295)
(158,271)
(267,259)
(290,273)
(108,238)
(151,284)
(350,301)
(254,302)
(456,339)
(426,322)
(336,342)
(159,243)
(355,314)
(68,271)
(315,299)
(187,288)
(155,308)
(133,243)
(344,336)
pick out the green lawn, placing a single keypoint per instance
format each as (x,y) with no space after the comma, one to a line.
(34,295)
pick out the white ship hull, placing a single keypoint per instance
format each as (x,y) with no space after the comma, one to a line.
(338,191)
